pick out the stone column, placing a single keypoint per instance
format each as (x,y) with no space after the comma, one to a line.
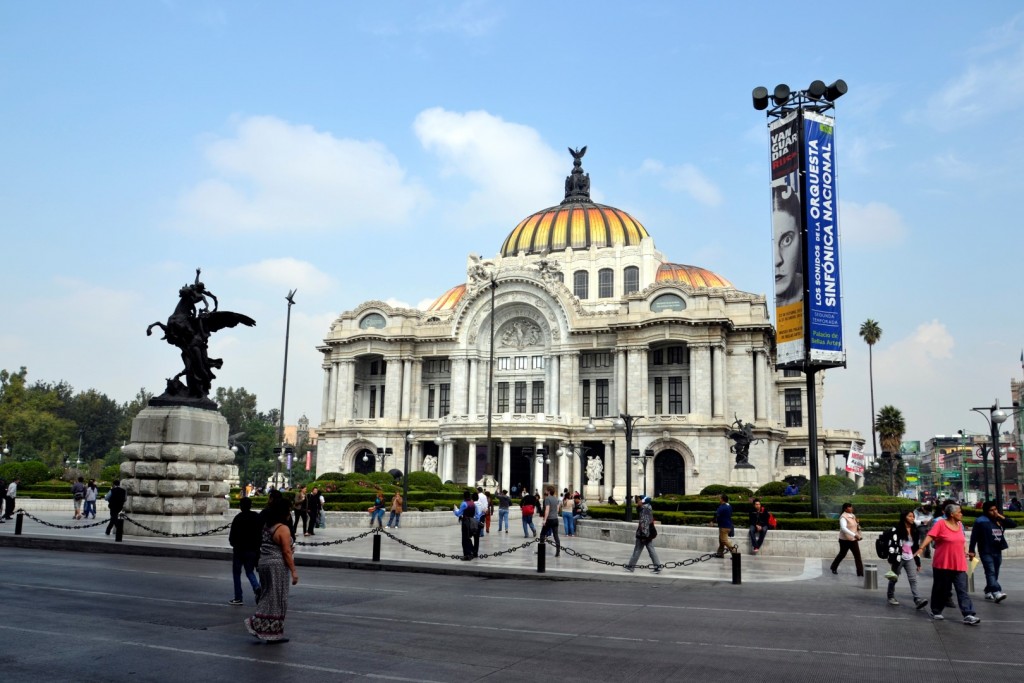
(506,465)
(610,465)
(345,398)
(471,462)
(474,383)
(393,389)
(569,385)
(553,390)
(760,385)
(459,386)
(645,390)
(415,387)
(448,450)
(700,380)
(718,379)
(329,384)
(406,400)
(563,472)
(620,381)
(538,465)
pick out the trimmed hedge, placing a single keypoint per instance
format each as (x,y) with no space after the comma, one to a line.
(718,489)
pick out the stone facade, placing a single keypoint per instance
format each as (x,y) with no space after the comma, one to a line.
(592,323)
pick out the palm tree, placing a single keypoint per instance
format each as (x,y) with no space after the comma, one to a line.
(870,332)
(890,426)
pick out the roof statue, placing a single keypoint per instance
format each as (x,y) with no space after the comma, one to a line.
(577,183)
(743,435)
(189,328)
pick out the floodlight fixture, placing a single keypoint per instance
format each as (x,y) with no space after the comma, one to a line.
(781,94)
(760,96)
(816,89)
(836,90)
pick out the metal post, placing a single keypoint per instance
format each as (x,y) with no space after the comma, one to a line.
(628,419)
(812,436)
(541,557)
(490,386)
(118,528)
(405,477)
(376,547)
(19,521)
(996,474)
(284,378)
(737,574)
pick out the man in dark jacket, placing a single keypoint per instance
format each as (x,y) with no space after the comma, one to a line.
(987,537)
(118,497)
(313,510)
(245,538)
(723,518)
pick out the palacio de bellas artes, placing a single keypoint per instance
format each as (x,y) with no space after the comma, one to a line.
(589,321)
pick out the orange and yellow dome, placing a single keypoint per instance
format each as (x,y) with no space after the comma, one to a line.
(579,225)
(695,276)
(448,300)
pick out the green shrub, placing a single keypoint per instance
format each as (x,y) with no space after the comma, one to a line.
(110,473)
(30,472)
(874,490)
(425,481)
(831,485)
(718,489)
(772,488)
(331,476)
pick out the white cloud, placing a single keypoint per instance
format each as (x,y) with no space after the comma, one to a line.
(273,176)
(424,304)
(472,18)
(511,167)
(871,224)
(685,178)
(286,273)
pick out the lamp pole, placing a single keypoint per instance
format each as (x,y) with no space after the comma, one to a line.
(580,452)
(490,381)
(627,422)
(409,439)
(284,377)
(642,460)
(996,416)
(245,446)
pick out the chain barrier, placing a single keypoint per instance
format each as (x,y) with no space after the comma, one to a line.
(665,565)
(21,511)
(481,556)
(312,544)
(164,533)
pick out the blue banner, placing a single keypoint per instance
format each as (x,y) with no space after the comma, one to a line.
(821,206)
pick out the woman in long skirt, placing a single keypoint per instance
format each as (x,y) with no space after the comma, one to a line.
(276,562)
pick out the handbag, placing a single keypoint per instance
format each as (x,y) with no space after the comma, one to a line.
(528,510)
(772,522)
(653,532)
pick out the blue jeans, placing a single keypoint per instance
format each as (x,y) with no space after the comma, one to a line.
(377,516)
(90,509)
(394,519)
(246,559)
(528,524)
(503,518)
(991,564)
(757,537)
(569,523)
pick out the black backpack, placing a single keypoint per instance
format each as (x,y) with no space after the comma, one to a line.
(884,543)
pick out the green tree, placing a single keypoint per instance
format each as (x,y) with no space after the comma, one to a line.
(99,419)
(32,427)
(891,427)
(871,332)
(131,410)
(237,406)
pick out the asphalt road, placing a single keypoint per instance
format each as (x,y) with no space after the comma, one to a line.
(67,616)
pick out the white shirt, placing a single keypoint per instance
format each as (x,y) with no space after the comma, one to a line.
(12,490)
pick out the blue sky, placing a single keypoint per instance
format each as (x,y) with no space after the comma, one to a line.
(360,151)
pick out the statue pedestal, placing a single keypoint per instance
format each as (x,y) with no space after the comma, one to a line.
(592,493)
(175,476)
(743,476)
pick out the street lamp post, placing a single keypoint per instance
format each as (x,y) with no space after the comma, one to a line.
(627,422)
(641,462)
(580,451)
(409,440)
(245,446)
(538,458)
(380,456)
(996,416)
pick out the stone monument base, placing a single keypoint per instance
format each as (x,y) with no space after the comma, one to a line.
(592,494)
(743,476)
(175,476)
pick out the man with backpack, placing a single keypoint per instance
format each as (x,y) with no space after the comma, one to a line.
(116,499)
(987,536)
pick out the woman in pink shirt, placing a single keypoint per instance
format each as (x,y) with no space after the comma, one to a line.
(949,564)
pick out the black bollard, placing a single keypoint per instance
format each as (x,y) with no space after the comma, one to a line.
(376,547)
(118,529)
(737,578)
(18,521)
(541,556)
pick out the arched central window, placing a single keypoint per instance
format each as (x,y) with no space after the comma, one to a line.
(580,284)
(630,280)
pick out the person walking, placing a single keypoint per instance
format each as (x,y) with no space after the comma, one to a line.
(301,511)
(988,538)
(395,518)
(949,565)
(11,497)
(377,511)
(91,492)
(313,505)
(565,509)
(483,504)
(504,503)
(723,518)
(116,498)
(245,538)
(550,517)
(923,518)
(758,526)
(528,505)
(469,524)
(903,547)
(849,539)
(645,535)
(276,562)
(78,497)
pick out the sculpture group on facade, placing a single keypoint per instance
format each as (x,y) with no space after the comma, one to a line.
(189,328)
(742,435)
(595,468)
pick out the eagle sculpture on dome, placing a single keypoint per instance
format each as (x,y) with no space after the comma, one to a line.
(577,183)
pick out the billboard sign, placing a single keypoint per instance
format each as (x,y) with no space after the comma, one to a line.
(788,239)
(855,462)
(910,447)
(821,207)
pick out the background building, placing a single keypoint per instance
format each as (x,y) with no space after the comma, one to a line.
(589,320)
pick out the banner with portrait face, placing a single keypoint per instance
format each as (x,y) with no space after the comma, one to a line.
(787,249)
(821,206)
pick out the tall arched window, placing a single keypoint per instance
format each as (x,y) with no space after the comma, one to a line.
(605,283)
(630,280)
(581,284)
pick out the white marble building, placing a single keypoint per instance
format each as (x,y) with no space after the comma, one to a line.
(589,321)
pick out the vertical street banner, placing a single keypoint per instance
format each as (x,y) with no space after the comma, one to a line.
(824,292)
(856,462)
(788,240)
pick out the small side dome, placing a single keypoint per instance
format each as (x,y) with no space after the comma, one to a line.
(448,300)
(695,276)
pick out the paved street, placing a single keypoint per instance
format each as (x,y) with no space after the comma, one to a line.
(103,617)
